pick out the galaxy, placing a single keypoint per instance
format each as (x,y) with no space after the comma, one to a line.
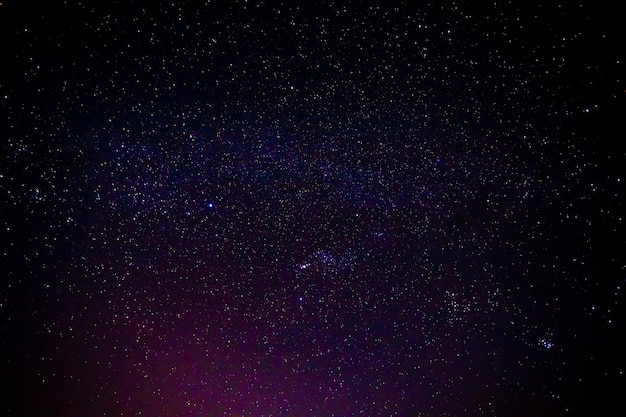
(320,209)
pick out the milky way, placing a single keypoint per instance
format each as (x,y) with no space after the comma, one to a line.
(281,209)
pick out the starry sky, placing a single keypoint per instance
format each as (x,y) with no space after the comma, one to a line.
(264,208)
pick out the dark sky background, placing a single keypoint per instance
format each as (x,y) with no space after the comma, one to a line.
(312,208)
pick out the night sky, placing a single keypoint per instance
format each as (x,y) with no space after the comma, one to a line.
(312,209)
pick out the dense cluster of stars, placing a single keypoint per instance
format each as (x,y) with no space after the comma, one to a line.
(287,209)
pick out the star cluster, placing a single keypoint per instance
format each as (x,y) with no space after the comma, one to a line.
(332,209)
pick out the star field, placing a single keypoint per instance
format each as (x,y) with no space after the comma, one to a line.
(334,209)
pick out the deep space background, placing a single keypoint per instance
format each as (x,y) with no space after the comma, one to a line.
(264,208)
